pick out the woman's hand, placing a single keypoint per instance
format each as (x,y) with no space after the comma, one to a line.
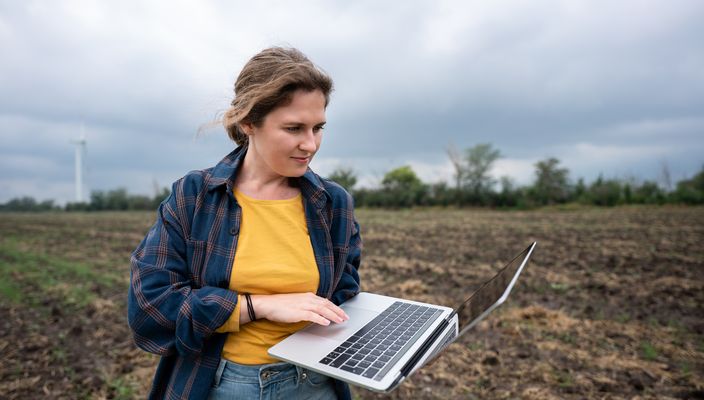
(296,307)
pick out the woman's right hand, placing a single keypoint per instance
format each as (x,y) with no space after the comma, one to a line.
(295,307)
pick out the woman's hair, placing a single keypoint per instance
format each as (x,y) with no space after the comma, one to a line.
(268,81)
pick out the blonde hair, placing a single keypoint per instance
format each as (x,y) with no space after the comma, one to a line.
(268,81)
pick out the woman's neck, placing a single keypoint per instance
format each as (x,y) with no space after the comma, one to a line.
(255,182)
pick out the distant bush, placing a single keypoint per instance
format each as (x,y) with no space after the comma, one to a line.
(27,203)
(119,200)
(690,191)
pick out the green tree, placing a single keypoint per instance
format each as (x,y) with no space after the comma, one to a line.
(458,164)
(509,194)
(649,192)
(403,188)
(605,192)
(691,191)
(478,162)
(551,183)
(580,191)
(345,177)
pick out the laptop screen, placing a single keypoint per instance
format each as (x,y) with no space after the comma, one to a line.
(492,293)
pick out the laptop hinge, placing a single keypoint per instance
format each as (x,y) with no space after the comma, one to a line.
(418,355)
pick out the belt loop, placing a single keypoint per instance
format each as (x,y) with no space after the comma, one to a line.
(299,372)
(218,373)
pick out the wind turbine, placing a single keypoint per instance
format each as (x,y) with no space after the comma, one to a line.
(80,152)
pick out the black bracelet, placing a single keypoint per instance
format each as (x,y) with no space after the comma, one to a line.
(250,308)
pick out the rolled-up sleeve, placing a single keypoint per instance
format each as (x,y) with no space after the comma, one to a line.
(167,312)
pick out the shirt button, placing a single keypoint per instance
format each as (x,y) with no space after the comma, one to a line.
(234,230)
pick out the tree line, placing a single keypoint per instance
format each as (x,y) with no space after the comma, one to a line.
(111,200)
(472,185)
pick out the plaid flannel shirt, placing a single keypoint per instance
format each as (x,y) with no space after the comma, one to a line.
(180,272)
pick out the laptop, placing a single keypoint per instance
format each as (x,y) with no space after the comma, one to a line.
(386,339)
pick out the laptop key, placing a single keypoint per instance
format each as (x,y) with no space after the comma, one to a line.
(339,360)
(354,370)
(369,373)
(326,360)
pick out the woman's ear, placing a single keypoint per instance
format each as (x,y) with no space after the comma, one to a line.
(247,128)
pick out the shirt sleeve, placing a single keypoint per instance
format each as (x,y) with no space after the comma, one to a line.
(233,323)
(167,313)
(348,285)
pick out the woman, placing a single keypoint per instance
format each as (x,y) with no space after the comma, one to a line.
(247,252)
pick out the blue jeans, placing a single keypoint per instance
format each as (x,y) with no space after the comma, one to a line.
(269,382)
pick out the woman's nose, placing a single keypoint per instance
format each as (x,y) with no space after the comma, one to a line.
(308,142)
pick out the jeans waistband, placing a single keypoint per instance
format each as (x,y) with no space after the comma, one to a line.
(263,373)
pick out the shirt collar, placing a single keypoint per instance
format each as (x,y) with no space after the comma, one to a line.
(224,173)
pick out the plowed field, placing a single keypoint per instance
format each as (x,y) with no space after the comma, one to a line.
(611,305)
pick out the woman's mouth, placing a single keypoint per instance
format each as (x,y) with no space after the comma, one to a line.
(301,160)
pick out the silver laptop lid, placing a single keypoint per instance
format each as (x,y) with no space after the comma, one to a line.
(492,293)
(483,301)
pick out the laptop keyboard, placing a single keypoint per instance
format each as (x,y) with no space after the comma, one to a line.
(372,350)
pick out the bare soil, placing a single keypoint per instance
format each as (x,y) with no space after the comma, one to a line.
(610,306)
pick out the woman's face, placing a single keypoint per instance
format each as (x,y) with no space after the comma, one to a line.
(288,138)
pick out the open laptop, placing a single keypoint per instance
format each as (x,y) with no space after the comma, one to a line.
(386,339)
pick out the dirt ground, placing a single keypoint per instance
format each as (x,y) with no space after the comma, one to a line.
(610,307)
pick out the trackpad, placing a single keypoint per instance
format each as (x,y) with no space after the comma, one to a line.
(358,318)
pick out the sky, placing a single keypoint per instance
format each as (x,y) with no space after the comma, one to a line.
(612,88)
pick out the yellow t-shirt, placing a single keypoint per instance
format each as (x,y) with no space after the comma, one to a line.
(274,255)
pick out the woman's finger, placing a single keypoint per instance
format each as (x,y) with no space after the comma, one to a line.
(316,318)
(328,313)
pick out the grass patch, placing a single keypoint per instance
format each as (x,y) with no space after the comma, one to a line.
(686,368)
(30,277)
(559,287)
(648,351)
(9,289)
(623,318)
(474,346)
(121,389)
(482,383)
(564,379)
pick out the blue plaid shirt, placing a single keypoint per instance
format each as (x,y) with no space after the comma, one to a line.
(180,272)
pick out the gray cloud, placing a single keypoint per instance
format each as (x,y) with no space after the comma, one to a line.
(608,87)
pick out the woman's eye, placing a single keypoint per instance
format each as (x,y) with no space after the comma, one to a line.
(318,128)
(293,128)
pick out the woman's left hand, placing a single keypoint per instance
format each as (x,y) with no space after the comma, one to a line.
(296,307)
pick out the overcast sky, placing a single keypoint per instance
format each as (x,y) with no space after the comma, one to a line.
(611,87)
